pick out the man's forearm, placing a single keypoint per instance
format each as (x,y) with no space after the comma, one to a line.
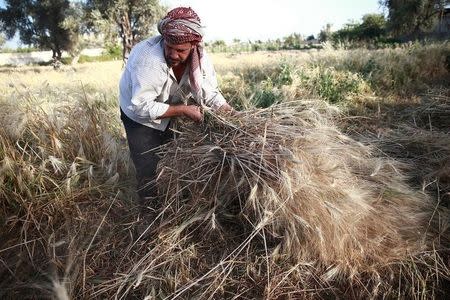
(193,112)
(173,111)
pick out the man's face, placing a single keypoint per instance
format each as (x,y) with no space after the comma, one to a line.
(177,54)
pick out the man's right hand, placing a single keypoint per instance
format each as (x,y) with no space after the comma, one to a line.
(193,112)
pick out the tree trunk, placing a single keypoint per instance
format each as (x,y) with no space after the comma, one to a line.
(127,36)
(75,59)
(56,53)
(56,57)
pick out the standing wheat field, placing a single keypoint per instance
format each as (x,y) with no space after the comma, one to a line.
(332,181)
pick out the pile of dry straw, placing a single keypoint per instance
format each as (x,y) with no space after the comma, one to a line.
(279,203)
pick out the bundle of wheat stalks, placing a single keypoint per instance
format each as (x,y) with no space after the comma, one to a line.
(279,203)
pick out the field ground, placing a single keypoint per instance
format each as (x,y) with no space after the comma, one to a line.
(366,215)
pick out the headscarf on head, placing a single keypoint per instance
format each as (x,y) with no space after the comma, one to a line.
(182,25)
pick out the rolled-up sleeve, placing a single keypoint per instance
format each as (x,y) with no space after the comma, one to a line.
(211,92)
(147,82)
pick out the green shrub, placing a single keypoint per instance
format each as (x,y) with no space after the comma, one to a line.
(264,84)
(255,74)
(114,51)
(236,90)
(336,86)
(369,68)
(266,94)
(285,74)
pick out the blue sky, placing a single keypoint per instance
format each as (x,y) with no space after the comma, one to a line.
(270,19)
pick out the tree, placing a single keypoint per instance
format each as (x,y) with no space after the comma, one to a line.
(292,41)
(350,32)
(412,16)
(2,40)
(131,20)
(373,26)
(218,46)
(39,23)
(325,34)
(76,24)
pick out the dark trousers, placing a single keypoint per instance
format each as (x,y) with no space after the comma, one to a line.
(142,141)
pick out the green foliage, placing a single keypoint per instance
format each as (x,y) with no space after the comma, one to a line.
(373,26)
(76,24)
(257,46)
(293,41)
(113,51)
(131,21)
(337,86)
(332,85)
(19,50)
(266,94)
(267,91)
(87,59)
(235,90)
(39,23)
(369,68)
(257,86)
(325,34)
(274,45)
(219,43)
(412,16)
(217,46)
(285,74)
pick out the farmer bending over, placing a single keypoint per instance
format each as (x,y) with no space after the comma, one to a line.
(166,76)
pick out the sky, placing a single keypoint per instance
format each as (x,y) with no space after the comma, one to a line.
(270,19)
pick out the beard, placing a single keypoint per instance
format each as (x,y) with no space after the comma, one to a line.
(175,62)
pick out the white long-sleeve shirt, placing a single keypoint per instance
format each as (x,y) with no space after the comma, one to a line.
(148,84)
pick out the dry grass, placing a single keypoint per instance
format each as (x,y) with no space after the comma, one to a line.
(300,195)
(94,77)
(59,173)
(415,133)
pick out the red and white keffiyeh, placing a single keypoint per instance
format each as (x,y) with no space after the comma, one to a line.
(182,25)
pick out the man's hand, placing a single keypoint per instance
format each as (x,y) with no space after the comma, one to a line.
(193,112)
(225,108)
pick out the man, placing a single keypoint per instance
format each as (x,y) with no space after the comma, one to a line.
(165,76)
